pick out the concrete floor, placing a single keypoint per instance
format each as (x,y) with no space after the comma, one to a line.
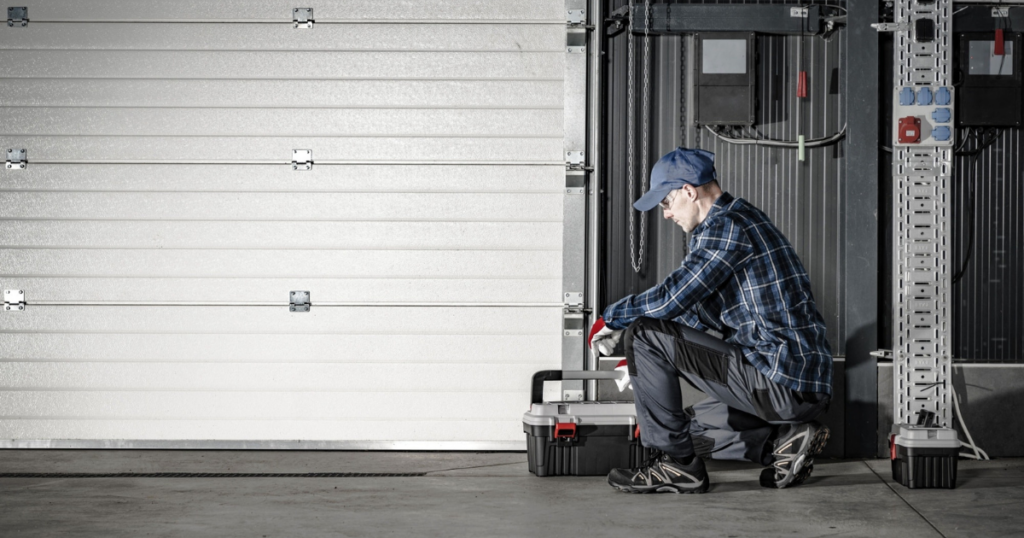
(478,494)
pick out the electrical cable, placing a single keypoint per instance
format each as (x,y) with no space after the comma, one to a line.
(972,199)
(978,453)
(768,142)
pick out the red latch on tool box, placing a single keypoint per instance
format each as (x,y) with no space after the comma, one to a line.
(892,446)
(636,434)
(565,430)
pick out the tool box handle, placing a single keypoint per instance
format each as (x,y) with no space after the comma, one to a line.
(537,391)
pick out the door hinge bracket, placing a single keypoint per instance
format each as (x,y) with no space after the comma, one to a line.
(17,159)
(575,31)
(14,300)
(302,159)
(302,17)
(574,160)
(575,17)
(572,313)
(17,16)
(298,301)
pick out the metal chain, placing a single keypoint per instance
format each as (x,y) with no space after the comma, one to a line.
(636,257)
(630,115)
(644,171)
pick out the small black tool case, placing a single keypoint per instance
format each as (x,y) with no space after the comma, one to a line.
(580,438)
(924,457)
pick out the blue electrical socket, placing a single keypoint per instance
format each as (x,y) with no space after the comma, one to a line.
(941,115)
(906,96)
(924,96)
(940,134)
(942,96)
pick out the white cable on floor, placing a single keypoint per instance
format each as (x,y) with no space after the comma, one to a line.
(970,441)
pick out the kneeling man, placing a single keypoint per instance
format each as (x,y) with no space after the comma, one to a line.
(766,381)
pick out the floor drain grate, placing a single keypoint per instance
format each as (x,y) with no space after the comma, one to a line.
(210,475)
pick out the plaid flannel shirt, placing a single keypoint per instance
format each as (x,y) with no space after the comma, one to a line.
(743,279)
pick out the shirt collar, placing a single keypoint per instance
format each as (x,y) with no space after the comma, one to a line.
(719,205)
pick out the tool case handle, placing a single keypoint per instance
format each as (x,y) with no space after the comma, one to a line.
(537,391)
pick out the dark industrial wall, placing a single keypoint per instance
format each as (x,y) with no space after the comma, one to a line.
(988,314)
(802,198)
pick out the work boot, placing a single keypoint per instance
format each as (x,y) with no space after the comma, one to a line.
(662,473)
(794,453)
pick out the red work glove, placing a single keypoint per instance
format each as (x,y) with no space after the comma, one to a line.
(603,340)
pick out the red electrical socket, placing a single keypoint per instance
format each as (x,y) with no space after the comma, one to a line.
(909,130)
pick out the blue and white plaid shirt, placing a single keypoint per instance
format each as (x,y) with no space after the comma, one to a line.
(743,279)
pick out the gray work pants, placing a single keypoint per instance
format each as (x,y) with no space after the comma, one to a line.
(743,407)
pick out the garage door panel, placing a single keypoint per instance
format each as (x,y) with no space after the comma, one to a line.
(269,406)
(376,37)
(282,65)
(282,235)
(426,431)
(159,226)
(279,123)
(260,178)
(67,348)
(273,291)
(339,264)
(419,207)
(281,93)
(275,10)
(525,321)
(118,149)
(266,377)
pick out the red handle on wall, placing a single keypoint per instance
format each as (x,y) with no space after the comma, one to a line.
(999,50)
(801,85)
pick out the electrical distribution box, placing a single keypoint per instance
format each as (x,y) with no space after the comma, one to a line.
(991,73)
(923,115)
(726,79)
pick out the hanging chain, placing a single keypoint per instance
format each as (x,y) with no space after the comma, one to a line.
(636,258)
(630,116)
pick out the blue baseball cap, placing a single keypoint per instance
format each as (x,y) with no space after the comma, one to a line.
(679,167)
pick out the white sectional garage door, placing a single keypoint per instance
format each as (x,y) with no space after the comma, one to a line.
(159,227)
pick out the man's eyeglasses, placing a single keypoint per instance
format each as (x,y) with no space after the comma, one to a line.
(667,202)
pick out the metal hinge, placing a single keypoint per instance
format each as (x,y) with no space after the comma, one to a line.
(572,314)
(17,159)
(298,301)
(302,159)
(574,160)
(576,33)
(17,16)
(576,17)
(14,300)
(302,17)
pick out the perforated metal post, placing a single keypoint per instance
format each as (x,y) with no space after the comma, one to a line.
(922,176)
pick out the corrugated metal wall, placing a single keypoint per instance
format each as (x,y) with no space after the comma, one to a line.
(988,314)
(802,198)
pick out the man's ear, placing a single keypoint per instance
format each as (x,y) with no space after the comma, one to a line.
(691,192)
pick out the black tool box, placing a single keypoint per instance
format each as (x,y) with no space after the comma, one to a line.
(580,438)
(924,457)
